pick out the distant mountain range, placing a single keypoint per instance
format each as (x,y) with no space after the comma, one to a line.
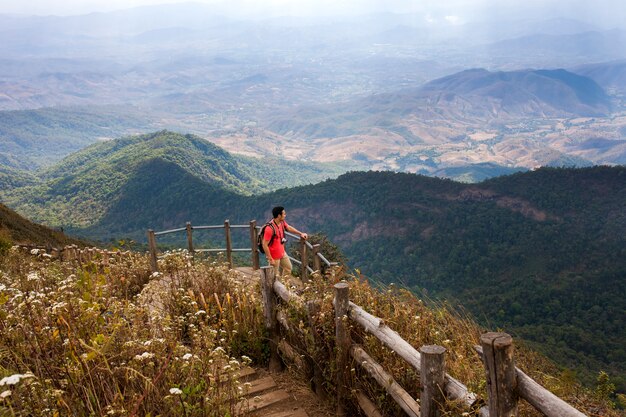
(537,253)
(467,95)
(464,122)
(610,75)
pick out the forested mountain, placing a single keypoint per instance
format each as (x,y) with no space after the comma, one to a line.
(82,187)
(31,139)
(541,254)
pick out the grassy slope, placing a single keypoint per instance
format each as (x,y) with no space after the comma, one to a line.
(88,322)
(16,229)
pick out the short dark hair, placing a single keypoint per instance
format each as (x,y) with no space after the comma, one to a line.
(277,211)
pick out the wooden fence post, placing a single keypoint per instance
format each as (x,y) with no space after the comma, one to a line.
(313,308)
(500,373)
(317,262)
(153,251)
(343,342)
(304,258)
(432,378)
(189,238)
(229,244)
(268,276)
(255,249)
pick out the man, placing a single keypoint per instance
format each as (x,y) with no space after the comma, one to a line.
(275,253)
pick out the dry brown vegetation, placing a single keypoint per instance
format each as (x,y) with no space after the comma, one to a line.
(85,339)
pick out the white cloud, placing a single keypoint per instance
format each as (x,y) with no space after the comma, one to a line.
(447,10)
(454,20)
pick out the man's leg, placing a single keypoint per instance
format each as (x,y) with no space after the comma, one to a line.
(285,264)
(289,279)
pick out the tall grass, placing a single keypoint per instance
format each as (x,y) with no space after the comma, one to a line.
(111,338)
(80,340)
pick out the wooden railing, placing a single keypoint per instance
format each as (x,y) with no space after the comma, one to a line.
(506,384)
(310,255)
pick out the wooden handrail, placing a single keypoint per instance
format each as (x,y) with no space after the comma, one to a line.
(306,246)
(502,400)
(538,396)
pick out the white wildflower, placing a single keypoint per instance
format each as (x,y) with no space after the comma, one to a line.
(15,378)
(187,356)
(175,391)
(59,305)
(5,394)
(33,276)
(145,355)
(200,312)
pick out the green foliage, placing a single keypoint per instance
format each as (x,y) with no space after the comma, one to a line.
(604,388)
(82,188)
(30,139)
(11,178)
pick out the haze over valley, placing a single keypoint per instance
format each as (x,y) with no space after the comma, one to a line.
(466,97)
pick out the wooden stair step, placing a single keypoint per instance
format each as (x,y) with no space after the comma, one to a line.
(298,412)
(264,400)
(247,373)
(260,385)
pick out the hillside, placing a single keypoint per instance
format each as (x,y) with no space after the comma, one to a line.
(535,253)
(15,178)
(529,93)
(16,229)
(81,188)
(112,320)
(610,75)
(31,139)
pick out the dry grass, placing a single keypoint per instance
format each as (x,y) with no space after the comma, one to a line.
(77,340)
(421,323)
(113,339)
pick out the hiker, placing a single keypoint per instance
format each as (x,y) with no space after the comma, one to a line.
(274,241)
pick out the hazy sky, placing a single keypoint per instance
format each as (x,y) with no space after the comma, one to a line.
(454,11)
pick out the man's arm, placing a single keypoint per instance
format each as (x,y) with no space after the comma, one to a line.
(266,249)
(296,231)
